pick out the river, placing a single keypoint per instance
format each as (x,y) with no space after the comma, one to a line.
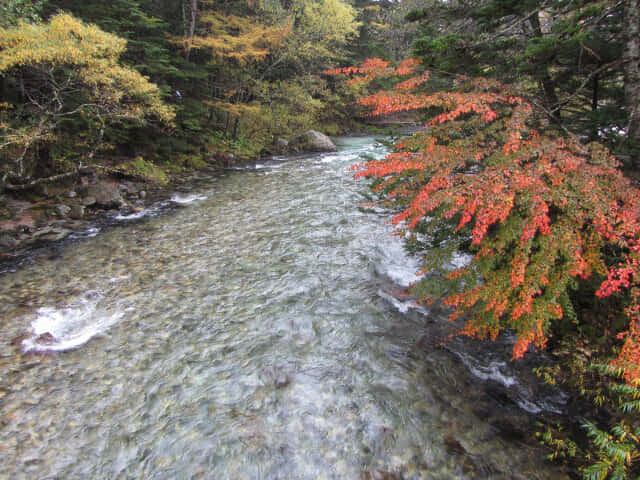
(250,328)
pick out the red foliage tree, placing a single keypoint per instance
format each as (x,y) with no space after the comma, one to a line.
(539,210)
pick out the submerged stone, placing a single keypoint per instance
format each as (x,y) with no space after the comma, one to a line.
(46,338)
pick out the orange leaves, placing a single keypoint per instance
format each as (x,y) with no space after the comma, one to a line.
(377,68)
(539,220)
(412,82)
(618,279)
(629,357)
(394,163)
(538,211)
(534,335)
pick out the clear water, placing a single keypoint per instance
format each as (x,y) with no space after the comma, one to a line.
(253,332)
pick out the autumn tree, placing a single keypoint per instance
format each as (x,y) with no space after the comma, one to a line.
(538,211)
(64,71)
(542,214)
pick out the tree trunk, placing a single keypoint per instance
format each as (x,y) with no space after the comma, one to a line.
(547,87)
(191,31)
(236,126)
(631,57)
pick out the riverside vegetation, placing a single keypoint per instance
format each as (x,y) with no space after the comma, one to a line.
(529,161)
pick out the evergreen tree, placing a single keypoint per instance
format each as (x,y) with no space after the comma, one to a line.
(568,56)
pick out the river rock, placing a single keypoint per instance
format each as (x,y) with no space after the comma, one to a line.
(106,194)
(313,141)
(281,146)
(453,446)
(281,380)
(41,189)
(77,212)
(46,338)
(72,194)
(51,234)
(7,241)
(89,201)
(63,210)
(277,377)
(19,339)
(142,194)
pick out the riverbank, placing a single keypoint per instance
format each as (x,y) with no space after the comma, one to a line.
(46,213)
(51,213)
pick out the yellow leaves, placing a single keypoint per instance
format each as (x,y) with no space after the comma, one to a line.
(64,40)
(236,109)
(238,38)
(325,27)
(88,58)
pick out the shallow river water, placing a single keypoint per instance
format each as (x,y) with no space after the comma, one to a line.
(251,331)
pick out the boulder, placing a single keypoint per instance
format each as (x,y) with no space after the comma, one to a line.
(19,339)
(281,146)
(313,141)
(106,194)
(77,212)
(63,210)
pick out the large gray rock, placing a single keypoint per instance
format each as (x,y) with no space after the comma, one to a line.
(313,141)
(106,194)
(63,210)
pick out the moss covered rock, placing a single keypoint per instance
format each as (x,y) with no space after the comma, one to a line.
(147,170)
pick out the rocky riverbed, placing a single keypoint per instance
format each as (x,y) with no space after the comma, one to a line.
(52,213)
(35,217)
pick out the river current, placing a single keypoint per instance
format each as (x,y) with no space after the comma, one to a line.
(254,328)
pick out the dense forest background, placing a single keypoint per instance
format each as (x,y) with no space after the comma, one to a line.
(231,77)
(234,76)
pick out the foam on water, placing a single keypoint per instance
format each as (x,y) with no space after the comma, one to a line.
(397,265)
(493,370)
(87,233)
(133,216)
(69,327)
(186,198)
(402,306)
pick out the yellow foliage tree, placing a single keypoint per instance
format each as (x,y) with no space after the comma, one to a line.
(325,27)
(228,37)
(60,70)
(238,38)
